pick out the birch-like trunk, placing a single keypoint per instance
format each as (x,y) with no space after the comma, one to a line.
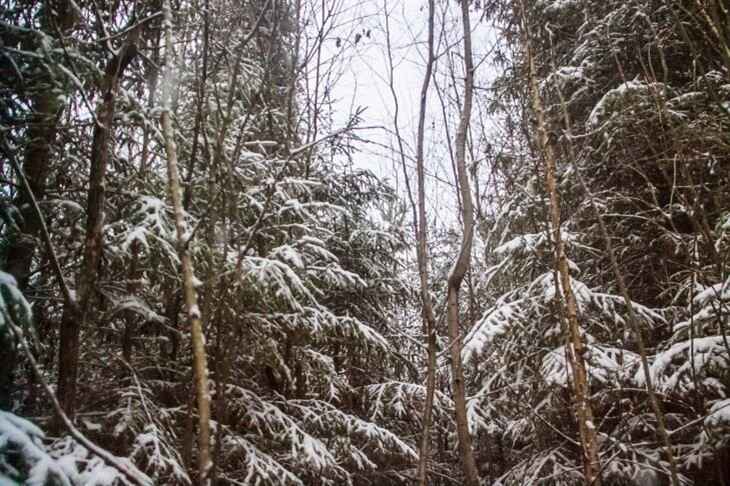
(633,320)
(576,349)
(200,368)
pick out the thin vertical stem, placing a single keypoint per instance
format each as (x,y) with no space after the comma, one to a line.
(463,261)
(200,368)
(577,348)
(422,253)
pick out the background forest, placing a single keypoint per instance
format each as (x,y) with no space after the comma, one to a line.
(218,267)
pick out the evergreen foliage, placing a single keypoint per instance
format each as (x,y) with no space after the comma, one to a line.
(305,264)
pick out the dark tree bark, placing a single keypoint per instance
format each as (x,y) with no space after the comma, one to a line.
(42,129)
(75,318)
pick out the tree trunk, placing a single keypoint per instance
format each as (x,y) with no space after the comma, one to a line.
(75,317)
(200,370)
(576,349)
(41,133)
(46,107)
(661,429)
(463,261)
(422,251)
(57,19)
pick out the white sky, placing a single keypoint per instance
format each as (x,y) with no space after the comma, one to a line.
(363,72)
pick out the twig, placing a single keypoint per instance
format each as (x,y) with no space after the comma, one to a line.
(130,27)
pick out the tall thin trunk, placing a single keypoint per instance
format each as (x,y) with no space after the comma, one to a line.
(75,317)
(422,253)
(22,246)
(57,19)
(577,348)
(662,433)
(200,109)
(293,75)
(191,300)
(463,261)
(313,128)
(41,133)
(46,105)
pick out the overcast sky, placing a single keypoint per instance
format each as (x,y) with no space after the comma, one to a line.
(359,47)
